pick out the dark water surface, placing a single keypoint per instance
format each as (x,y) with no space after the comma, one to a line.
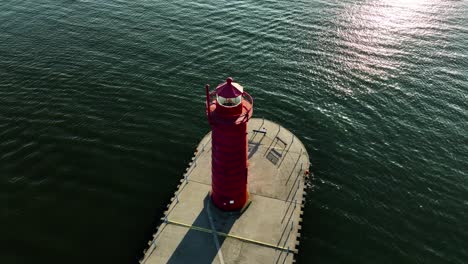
(101,107)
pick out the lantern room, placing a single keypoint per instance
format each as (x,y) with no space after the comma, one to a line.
(229,94)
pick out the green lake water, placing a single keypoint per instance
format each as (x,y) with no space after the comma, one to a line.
(102,106)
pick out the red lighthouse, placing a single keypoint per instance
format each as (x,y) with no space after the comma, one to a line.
(229,109)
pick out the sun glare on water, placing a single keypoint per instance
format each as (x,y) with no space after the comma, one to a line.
(371,35)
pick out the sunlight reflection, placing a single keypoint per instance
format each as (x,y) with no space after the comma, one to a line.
(373,37)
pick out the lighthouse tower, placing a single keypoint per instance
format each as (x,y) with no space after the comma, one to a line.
(229,108)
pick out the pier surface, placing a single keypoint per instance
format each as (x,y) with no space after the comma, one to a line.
(193,230)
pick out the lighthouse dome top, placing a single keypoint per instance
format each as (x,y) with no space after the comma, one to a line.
(229,89)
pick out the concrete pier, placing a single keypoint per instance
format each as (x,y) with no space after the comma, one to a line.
(193,230)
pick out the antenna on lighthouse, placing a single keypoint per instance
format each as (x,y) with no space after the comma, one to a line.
(207,91)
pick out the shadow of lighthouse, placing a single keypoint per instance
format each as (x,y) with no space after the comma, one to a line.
(198,244)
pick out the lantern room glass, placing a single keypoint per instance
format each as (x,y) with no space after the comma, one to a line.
(229,102)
